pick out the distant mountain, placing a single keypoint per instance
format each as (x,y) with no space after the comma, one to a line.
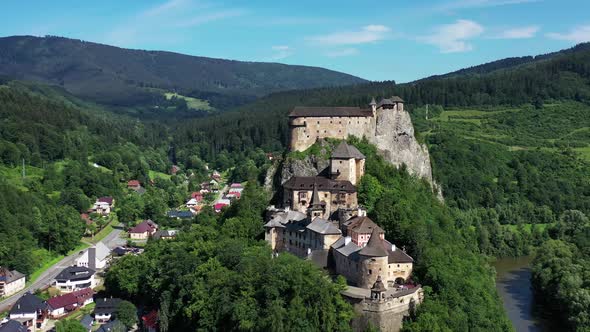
(124,77)
(508,63)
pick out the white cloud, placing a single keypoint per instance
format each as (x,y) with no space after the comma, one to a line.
(281,52)
(166,19)
(367,34)
(164,8)
(210,17)
(519,33)
(451,38)
(579,34)
(342,52)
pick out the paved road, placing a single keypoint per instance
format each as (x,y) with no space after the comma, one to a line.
(46,278)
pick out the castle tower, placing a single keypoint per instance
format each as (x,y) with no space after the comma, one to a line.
(316,207)
(374,261)
(347,163)
(378,290)
(373,105)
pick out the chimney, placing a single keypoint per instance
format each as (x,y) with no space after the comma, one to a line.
(347,240)
(392,247)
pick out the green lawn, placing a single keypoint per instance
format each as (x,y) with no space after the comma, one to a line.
(13,175)
(154,174)
(52,260)
(193,103)
(527,227)
(103,233)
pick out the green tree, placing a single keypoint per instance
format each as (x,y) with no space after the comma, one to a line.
(127,314)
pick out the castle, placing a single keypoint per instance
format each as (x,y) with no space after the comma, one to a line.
(320,218)
(385,124)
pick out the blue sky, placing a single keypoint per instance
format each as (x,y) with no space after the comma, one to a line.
(377,40)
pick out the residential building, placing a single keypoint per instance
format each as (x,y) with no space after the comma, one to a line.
(105,309)
(13,326)
(10,282)
(75,278)
(31,311)
(95,257)
(59,306)
(143,230)
(87,321)
(165,234)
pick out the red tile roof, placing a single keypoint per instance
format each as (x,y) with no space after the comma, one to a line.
(133,183)
(68,300)
(106,199)
(145,226)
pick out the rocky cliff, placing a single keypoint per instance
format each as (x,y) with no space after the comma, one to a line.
(395,140)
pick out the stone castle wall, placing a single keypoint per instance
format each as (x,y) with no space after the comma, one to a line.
(391,130)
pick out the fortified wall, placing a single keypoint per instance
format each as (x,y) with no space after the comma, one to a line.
(386,125)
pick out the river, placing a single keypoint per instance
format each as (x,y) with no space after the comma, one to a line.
(513,283)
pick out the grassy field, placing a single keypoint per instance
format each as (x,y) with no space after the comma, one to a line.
(13,175)
(193,103)
(154,174)
(527,227)
(52,260)
(555,127)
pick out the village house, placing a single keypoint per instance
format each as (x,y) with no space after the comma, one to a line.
(174,169)
(75,278)
(10,282)
(87,321)
(143,230)
(13,326)
(179,214)
(95,257)
(198,196)
(165,234)
(220,204)
(105,309)
(135,185)
(192,203)
(216,176)
(31,311)
(103,206)
(59,306)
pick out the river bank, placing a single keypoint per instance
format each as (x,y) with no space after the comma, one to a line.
(513,282)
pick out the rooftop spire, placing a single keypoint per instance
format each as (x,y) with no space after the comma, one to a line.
(374,247)
(315,198)
(373,102)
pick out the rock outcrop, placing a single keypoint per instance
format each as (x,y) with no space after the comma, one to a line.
(395,140)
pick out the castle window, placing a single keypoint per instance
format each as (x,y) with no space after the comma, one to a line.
(318,122)
(317,132)
(339,122)
(330,122)
(341,161)
(325,131)
(370,272)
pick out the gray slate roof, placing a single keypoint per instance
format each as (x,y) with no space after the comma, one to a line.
(346,151)
(13,326)
(397,256)
(28,303)
(9,276)
(323,226)
(75,273)
(349,250)
(305,111)
(363,225)
(87,321)
(323,184)
(375,247)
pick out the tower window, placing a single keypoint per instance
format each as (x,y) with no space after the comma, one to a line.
(370,272)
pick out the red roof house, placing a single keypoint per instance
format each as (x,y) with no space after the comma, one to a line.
(61,305)
(133,184)
(143,230)
(236,185)
(197,195)
(219,206)
(106,199)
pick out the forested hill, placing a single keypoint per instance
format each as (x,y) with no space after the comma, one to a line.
(564,76)
(125,77)
(508,63)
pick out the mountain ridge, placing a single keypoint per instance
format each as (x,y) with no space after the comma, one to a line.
(122,77)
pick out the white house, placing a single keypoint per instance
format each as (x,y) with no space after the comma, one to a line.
(192,203)
(10,282)
(75,278)
(61,305)
(105,308)
(31,311)
(95,257)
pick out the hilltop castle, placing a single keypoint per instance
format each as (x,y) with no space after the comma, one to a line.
(321,220)
(385,124)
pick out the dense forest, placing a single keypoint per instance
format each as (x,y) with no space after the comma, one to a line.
(125,77)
